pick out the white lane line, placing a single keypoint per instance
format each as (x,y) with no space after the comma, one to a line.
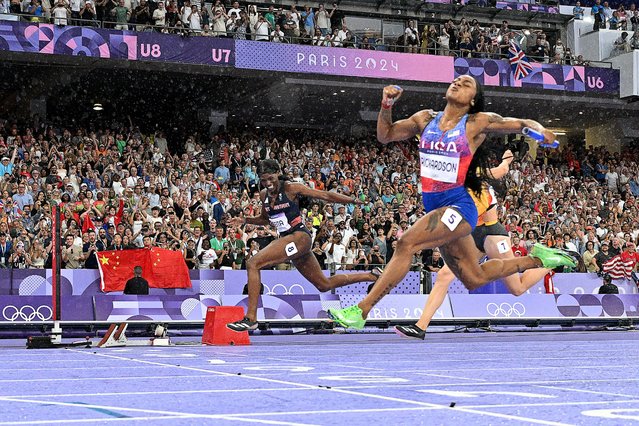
(97,367)
(142,410)
(624,395)
(465,370)
(552,404)
(451,377)
(361,394)
(154,392)
(102,419)
(77,379)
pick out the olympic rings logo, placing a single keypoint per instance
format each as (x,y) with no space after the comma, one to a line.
(506,309)
(281,289)
(27,313)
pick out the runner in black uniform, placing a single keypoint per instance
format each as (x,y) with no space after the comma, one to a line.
(281,210)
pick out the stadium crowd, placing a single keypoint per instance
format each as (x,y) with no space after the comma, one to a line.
(318,26)
(125,189)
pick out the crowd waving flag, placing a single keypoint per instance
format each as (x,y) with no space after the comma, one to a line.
(519,63)
(161,268)
(619,268)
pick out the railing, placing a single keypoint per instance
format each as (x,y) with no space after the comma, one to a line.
(356,43)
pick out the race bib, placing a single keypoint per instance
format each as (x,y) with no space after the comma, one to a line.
(441,168)
(280,222)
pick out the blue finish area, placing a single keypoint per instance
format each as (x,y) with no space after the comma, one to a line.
(547,378)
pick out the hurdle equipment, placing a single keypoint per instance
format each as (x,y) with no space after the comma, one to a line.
(115,337)
(215,330)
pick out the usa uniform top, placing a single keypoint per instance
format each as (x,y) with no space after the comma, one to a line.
(444,159)
(284,214)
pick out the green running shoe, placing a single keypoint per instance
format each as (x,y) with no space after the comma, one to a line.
(552,258)
(348,317)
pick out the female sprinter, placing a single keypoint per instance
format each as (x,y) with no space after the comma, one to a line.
(492,239)
(280,208)
(447,143)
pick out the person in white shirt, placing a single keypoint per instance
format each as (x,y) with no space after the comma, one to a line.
(235,9)
(335,251)
(60,14)
(207,257)
(611,179)
(159,16)
(262,29)
(195,20)
(277,35)
(185,13)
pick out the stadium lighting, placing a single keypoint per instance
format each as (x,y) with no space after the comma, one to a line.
(97,107)
(342,91)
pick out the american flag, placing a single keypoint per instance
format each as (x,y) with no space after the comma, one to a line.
(617,268)
(518,61)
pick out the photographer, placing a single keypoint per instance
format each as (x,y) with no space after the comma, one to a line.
(375,257)
(20,259)
(226,258)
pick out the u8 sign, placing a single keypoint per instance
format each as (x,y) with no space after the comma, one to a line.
(190,50)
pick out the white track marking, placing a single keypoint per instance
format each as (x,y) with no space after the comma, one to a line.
(76,379)
(361,394)
(553,404)
(93,421)
(183,392)
(589,391)
(238,417)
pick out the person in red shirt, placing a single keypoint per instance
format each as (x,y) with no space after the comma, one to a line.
(630,254)
(519,250)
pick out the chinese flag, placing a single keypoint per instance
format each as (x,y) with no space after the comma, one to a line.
(161,268)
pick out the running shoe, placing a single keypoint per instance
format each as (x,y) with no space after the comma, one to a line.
(410,332)
(552,258)
(244,324)
(350,317)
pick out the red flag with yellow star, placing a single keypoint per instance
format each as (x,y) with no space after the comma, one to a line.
(161,268)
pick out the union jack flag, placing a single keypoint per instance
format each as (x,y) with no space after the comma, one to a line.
(518,61)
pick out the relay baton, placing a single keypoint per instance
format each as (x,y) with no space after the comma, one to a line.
(539,137)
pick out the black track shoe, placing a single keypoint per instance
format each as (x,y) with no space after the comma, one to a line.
(410,332)
(244,324)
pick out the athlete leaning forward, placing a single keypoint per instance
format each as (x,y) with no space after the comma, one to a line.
(491,240)
(280,208)
(446,146)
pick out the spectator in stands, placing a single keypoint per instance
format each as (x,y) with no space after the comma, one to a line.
(277,35)
(632,15)
(159,17)
(308,18)
(589,257)
(323,20)
(262,29)
(597,11)
(603,255)
(608,12)
(411,37)
(122,15)
(435,262)
(578,11)
(634,41)
(88,14)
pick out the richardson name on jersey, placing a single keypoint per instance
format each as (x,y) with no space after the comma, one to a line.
(440,165)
